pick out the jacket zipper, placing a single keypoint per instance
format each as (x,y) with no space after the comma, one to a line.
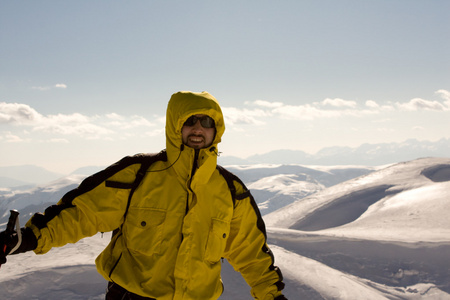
(194,168)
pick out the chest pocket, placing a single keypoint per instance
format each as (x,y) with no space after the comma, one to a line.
(144,230)
(217,240)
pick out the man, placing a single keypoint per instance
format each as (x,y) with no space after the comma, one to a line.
(173,226)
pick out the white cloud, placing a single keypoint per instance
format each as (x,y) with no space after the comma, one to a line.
(73,124)
(46,88)
(268,104)
(16,113)
(235,116)
(137,121)
(417,104)
(89,127)
(123,122)
(304,112)
(312,111)
(421,104)
(372,104)
(299,112)
(446,96)
(337,102)
(160,119)
(9,137)
(328,108)
(72,119)
(387,107)
(114,116)
(155,132)
(82,129)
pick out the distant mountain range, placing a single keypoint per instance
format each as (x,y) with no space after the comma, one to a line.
(364,155)
(21,177)
(26,175)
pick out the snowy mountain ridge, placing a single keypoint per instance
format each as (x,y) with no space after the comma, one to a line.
(365,154)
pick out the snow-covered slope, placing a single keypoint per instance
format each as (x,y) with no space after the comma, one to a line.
(384,235)
(405,202)
(389,227)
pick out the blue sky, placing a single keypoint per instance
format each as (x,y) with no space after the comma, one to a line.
(87,82)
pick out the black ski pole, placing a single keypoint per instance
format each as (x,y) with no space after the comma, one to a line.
(12,223)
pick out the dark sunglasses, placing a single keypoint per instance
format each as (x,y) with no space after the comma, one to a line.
(205,121)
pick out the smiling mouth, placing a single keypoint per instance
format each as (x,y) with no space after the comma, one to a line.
(196,139)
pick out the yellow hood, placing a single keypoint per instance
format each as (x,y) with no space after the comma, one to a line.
(181,106)
(184,104)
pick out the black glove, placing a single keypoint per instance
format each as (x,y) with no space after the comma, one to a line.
(9,240)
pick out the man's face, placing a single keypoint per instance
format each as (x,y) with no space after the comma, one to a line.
(195,135)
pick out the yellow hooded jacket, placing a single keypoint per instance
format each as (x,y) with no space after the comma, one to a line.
(179,223)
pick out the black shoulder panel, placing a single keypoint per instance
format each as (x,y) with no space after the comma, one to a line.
(230,178)
(93,181)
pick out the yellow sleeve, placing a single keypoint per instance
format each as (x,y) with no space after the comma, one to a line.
(247,249)
(92,207)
